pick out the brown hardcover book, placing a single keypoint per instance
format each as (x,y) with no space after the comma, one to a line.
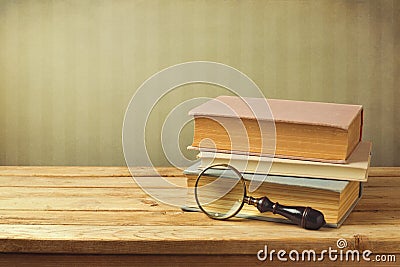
(304,130)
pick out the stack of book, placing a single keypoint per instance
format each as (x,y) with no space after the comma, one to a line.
(320,159)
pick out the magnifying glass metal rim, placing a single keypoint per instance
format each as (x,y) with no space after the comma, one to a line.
(240,180)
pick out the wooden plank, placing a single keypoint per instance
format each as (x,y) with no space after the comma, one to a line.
(382,181)
(133,200)
(51,260)
(92,192)
(23,193)
(121,172)
(86,182)
(60,181)
(382,204)
(96,210)
(98,198)
(384,171)
(368,217)
(65,171)
(84,171)
(164,217)
(382,192)
(125,181)
(201,260)
(243,238)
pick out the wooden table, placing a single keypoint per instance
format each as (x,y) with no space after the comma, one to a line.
(98,216)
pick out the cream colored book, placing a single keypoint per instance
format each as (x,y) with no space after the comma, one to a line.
(335,199)
(356,168)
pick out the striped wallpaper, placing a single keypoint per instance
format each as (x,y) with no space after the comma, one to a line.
(68,68)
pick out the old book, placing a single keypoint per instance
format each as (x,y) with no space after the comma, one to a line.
(334,198)
(356,168)
(304,130)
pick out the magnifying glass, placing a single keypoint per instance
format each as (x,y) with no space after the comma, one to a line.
(220,192)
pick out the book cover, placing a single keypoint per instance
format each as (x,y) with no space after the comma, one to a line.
(289,129)
(297,112)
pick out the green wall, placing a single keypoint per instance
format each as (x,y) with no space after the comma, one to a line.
(69,68)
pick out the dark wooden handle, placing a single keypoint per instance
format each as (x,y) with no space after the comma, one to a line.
(306,217)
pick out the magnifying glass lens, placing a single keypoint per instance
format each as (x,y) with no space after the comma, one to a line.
(220,192)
